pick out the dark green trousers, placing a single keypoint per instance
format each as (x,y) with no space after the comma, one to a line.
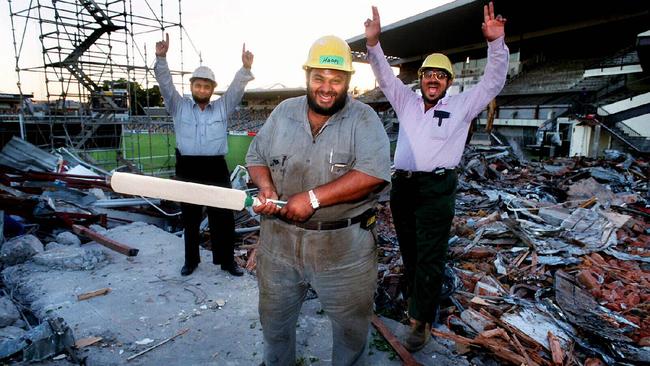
(423,209)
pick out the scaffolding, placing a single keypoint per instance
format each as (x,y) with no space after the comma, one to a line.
(94,60)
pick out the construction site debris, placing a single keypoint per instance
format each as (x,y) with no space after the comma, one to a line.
(551,257)
(403,354)
(50,338)
(548,260)
(88,341)
(180,333)
(20,249)
(91,294)
(108,243)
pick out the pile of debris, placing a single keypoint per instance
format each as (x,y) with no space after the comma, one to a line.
(52,206)
(549,261)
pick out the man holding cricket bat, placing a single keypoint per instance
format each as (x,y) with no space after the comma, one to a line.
(201,143)
(327,155)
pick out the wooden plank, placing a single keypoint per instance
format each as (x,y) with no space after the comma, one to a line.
(85,342)
(108,243)
(557,354)
(405,355)
(91,294)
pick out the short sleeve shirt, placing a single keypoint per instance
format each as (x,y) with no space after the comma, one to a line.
(353,138)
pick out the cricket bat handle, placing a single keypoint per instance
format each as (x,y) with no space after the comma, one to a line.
(254,202)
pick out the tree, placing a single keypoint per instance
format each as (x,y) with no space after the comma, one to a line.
(138,97)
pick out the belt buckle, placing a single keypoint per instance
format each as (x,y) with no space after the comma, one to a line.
(439,171)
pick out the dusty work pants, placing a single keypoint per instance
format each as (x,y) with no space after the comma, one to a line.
(214,171)
(341,265)
(423,209)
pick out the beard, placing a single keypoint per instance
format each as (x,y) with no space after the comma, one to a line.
(339,103)
(199,100)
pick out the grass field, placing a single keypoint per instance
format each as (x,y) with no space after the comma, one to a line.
(154,153)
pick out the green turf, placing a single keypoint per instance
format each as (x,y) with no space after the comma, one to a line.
(156,152)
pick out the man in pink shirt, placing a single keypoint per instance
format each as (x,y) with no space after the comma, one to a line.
(433,129)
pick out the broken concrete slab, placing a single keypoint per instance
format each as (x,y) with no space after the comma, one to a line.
(11,332)
(20,249)
(71,258)
(8,312)
(68,238)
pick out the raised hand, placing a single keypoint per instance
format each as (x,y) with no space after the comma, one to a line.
(162,47)
(373,28)
(246,57)
(492,27)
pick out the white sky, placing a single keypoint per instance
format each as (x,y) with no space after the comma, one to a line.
(279,33)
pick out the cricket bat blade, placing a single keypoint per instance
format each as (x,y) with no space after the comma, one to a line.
(179,191)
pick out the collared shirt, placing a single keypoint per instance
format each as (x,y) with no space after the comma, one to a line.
(436,138)
(200,132)
(353,138)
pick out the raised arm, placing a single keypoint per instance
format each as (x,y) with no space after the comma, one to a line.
(234,93)
(496,68)
(393,88)
(492,27)
(373,28)
(164,77)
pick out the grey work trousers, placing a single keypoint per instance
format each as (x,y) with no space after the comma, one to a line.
(341,266)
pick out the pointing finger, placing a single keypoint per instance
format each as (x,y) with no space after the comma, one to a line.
(243,49)
(375,13)
(167,38)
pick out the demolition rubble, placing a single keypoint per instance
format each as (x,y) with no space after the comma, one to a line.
(549,264)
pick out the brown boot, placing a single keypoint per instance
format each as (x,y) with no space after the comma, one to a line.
(418,336)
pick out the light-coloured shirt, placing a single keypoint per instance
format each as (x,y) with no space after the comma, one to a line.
(200,132)
(353,138)
(436,138)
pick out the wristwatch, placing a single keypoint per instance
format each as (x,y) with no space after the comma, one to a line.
(313,200)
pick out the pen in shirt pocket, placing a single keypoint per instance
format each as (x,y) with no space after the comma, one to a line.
(335,165)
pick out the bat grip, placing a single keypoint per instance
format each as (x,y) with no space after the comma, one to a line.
(254,202)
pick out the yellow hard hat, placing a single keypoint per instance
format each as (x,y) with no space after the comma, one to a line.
(329,52)
(437,61)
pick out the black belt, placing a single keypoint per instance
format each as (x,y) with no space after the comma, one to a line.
(367,220)
(437,173)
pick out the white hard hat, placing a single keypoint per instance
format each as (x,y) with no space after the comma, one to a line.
(203,72)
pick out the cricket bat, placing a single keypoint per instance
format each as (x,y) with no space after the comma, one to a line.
(187,192)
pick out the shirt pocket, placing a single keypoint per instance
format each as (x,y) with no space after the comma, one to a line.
(278,167)
(215,132)
(339,164)
(440,125)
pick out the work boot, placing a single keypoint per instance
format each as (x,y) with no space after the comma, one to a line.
(233,269)
(188,268)
(418,335)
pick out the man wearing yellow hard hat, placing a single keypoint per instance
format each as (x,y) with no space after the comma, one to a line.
(432,133)
(327,155)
